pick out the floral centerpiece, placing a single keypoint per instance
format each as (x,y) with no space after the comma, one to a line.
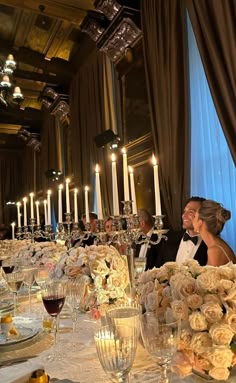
(102,269)
(204,298)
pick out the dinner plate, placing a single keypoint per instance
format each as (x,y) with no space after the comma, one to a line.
(25,333)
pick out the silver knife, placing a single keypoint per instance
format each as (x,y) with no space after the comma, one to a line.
(11,362)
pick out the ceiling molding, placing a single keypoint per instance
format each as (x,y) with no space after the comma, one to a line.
(72,11)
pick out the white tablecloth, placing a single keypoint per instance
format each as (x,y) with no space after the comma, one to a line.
(82,365)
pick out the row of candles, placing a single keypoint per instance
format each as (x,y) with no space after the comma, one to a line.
(129,186)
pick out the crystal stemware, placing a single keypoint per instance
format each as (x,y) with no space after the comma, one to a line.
(14,281)
(127,314)
(160,340)
(116,348)
(41,275)
(53,296)
(28,281)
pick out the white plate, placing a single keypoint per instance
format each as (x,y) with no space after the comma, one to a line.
(25,333)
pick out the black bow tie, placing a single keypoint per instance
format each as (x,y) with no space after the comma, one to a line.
(187,237)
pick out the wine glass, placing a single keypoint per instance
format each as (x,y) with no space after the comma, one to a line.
(116,348)
(14,281)
(160,339)
(8,266)
(53,296)
(127,314)
(41,275)
(29,280)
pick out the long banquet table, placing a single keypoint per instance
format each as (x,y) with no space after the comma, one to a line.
(77,359)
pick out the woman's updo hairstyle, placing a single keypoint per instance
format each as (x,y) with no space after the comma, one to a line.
(214,215)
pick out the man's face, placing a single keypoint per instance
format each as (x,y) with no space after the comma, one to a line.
(189,214)
(108,225)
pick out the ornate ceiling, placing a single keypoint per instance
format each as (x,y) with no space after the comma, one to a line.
(44,37)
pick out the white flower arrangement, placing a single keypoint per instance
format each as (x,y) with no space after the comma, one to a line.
(106,268)
(204,298)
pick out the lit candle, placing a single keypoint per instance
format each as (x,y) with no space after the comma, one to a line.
(31,205)
(98,193)
(37,213)
(25,211)
(18,205)
(60,219)
(49,207)
(13,229)
(125,175)
(67,196)
(76,205)
(114,187)
(86,189)
(156,186)
(132,188)
(45,212)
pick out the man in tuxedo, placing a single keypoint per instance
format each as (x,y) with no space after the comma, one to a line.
(147,250)
(181,245)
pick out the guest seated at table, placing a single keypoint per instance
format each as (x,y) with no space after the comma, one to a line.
(147,250)
(184,244)
(209,221)
(93,228)
(108,224)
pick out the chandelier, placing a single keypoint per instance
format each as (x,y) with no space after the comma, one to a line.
(7,96)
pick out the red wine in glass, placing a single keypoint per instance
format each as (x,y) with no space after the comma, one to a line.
(8,269)
(53,304)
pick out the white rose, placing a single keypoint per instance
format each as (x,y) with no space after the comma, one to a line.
(226,272)
(221,334)
(211,298)
(207,280)
(180,309)
(212,311)
(230,319)
(152,302)
(98,267)
(224,285)
(219,357)
(193,266)
(199,341)
(198,321)
(185,338)
(219,373)
(194,301)
(186,286)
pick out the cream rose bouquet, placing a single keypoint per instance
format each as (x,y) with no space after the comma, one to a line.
(103,270)
(204,298)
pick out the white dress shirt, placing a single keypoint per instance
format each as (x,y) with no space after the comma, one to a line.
(144,246)
(187,250)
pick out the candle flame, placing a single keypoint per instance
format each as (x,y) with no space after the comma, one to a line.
(154,161)
(31,194)
(24,199)
(124,150)
(86,188)
(60,187)
(49,192)
(131,170)
(113,157)
(97,168)
(13,224)
(75,190)
(18,204)
(45,202)
(67,180)
(36,202)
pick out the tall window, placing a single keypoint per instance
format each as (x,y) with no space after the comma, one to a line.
(213,174)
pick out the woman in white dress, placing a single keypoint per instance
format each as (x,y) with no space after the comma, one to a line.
(209,222)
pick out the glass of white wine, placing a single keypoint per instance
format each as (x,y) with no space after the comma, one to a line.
(14,281)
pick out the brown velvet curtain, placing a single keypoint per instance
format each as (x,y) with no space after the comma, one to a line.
(214,25)
(11,184)
(28,171)
(164,39)
(50,148)
(87,120)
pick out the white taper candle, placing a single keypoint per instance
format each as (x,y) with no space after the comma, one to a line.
(37,213)
(25,210)
(132,188)
(98,193)
(125,175)
(67,196)
(86,189)
(115,196)
(31,205)
(60,218)
(49,207)
(18,205)
(156,186)
(76,218)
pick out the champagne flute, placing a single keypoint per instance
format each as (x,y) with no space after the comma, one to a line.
(160,340)
(14,281)
(116,347)
(53,296)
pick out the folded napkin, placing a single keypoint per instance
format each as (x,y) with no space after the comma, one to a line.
(19,373)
